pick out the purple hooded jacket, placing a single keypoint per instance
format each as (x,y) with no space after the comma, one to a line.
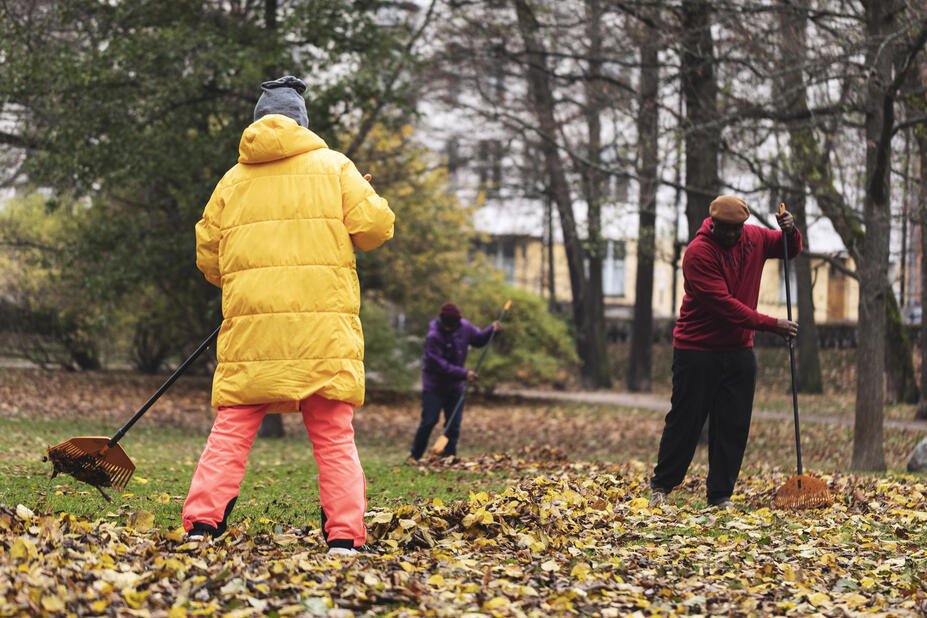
(443,368)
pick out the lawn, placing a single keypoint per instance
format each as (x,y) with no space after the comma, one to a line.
(544,514)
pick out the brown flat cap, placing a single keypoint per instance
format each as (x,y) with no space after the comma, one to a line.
(728,209)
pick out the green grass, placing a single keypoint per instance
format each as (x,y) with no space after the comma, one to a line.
(280,488)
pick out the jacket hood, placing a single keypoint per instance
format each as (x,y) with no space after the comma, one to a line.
(705,231)
(275,137)
(435,326)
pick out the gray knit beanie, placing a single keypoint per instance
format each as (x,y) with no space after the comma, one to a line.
(283,96)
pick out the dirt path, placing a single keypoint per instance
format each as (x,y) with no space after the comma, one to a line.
(657,403)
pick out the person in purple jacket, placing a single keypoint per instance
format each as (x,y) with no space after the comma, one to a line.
(444,374)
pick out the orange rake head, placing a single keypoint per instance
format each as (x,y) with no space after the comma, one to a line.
(803,492)
(440,444)
(91,460)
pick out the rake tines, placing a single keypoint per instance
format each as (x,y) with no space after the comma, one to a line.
(91,460)
(803,492)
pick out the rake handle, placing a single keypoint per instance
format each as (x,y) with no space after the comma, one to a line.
(476,369)
(141,411)
(788,304)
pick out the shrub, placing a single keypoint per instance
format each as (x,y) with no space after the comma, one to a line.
(391,360)
(533,348)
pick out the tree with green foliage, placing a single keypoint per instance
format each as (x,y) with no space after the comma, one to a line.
(533,347)
(139,106)
(43,308)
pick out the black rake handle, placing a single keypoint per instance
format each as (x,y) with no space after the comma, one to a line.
(788,305)
(112,441)
(475,369)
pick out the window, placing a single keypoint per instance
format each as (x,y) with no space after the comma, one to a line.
(613,269)
(489,153)
(501,254)
(491,78)
(618,186)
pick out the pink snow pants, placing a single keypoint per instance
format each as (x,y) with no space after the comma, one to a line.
(342,486)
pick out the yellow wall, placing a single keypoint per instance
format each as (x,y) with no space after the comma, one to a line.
(531,275)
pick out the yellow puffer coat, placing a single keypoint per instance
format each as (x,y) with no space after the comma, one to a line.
(278,237)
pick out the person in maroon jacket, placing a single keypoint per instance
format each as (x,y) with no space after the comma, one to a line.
(714,367)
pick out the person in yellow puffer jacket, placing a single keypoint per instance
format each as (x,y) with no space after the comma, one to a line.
(278,236)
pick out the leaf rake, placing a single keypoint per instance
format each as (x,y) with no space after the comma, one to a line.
(801,491)
(100,461)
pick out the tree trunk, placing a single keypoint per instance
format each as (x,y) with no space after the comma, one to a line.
(640,361)
(868,451)
(598,374)
(542,102)
(921,412)
(792,97)
(702,125)
(900,384)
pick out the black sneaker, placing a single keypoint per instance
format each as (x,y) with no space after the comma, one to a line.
(362,550)
(202,532)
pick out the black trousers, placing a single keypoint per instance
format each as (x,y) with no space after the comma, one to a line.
(718,386)
(432,404)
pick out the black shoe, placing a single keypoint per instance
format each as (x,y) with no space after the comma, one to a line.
(202,532)
(361,550)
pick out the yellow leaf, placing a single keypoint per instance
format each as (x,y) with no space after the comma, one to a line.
(140,480)
(819,599)
(405,524)
(178,611)
(382,518)
(408,568)
(436,580)
(479,498)
(175,535)
(23,548)
(136,599)
(550,566)
(99,605)
(141,521)
(867,582)
(855,600)
(580,570)
(496,603)
(52,604)
(638,503)
(437,503)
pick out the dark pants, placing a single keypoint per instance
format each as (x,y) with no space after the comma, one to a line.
(718,386)
(432,404)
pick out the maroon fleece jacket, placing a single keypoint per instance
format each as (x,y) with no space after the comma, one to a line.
(722,286)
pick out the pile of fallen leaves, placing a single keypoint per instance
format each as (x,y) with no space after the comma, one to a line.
(577,538)
(526,459)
